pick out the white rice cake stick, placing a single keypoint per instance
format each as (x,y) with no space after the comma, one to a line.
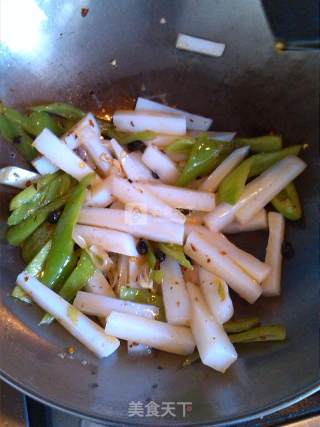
(110,240)
(213,343)
(135,223)
(198,45)
(210,258)
(156,334)
(193,121)
(271,286)
(80,326)
(216,294)
(138,121)
(175,295)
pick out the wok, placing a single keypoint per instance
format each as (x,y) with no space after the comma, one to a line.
(251,89)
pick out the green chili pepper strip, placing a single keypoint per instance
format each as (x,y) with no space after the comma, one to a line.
(43,197)
(151,258)
(62,243)
(46,179)
(124,137)
(6,129)
(18,233)
(143,296)
(263,161)
(34,269)
(241,325)
(191,358)
(18,138)
(75,282)
(233,184)
(260,334)
(23,197)
(62,109)
(156,276)
(287,202)
(19,119)
(42,120)
(78,278)
(37,240)
(205,155)
(176,252)
(68,268)
(181,145)
(261,144)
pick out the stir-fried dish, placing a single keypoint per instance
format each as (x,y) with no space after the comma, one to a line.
(124,226)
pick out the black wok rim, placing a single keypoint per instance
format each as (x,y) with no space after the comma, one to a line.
(260,413)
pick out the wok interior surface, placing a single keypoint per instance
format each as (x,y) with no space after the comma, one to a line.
(251,89)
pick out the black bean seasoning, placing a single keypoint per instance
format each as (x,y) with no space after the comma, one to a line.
(136,146)
(142,247)
(155,175)
(54,216)
(161,256)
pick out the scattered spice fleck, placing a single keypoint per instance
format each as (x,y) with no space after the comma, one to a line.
(223,253)
(61,355)
(114,63)
(91,123)
(280,46)
(130,180)
(104,157)
(136,146)
(131,123)
(94,385)
(208,260)
(178,303)
(84,12)
(71,349)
